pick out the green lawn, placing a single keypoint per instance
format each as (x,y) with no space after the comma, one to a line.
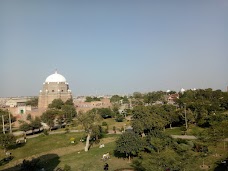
(173,131)
(43,144)
(111,122)
(89,161)
(52,149)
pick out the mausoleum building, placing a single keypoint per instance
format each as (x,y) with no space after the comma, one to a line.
(54,87)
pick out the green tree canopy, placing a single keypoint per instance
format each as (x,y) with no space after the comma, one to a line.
(56,104)
(49,116)
(69,112)
(129,143)
(36,123)
(25,127)
(33,102)
(145,119)
(103,112)
(69,102)
(88,120)
(153,97)
(92,99)
(6,141)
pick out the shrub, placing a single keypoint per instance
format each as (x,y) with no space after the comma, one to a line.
(119,118)
(114,129)
(67,168)
(29,117)
(45,132)
(67,130)
(104,124)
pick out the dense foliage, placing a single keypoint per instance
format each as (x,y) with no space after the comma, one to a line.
(92,99)
(7,141)
(33,102)
(59,112)
(103,112)
(157,151)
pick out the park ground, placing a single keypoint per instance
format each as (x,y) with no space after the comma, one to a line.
(56,150)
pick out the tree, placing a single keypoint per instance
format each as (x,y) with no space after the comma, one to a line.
(29,117)
(129,143)
(69,111)
(69,102)
(119,118)
(96,132)
(216,133)
(137,95)
(125,100)
(49,116)
(88,120)
(56,104)
(36,123)
(33,102)
(5,114)
(163,153)
(153,97)
(167,159)
(146,119)
(115,99)
(91,99)
(6,141)
(25,127)
(104,112)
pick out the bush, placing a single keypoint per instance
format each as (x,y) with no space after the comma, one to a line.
(29,117)
(104,124)
(119,118)
(67,168)
(67,130)
(45,132)
(114,129)
(183,128)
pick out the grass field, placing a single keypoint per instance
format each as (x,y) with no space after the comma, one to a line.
(56,151)
(173,131)
(89,161)
(42,144)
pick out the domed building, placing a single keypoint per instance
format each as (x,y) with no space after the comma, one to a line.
(54,87)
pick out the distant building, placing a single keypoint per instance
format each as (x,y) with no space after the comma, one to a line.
(54,87)
(85,106)
(172,98)
(15,102)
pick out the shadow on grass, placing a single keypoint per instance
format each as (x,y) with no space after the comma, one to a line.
(6,160)
(222,165)
(15,146)
(119,155)
(47,162)
(125,169)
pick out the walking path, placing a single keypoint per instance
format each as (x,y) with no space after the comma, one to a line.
(187,137)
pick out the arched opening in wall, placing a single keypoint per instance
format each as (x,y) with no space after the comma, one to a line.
(62,90)
(53,90)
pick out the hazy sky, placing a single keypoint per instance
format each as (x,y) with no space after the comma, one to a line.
(113,46)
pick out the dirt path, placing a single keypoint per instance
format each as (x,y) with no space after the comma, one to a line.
(187,137)
(60,152)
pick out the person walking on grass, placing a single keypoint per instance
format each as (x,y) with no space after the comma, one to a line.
(106,166)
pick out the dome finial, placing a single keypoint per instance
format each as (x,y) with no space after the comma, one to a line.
(56,71)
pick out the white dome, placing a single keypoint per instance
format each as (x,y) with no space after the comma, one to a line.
(55,78)
(182,90)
